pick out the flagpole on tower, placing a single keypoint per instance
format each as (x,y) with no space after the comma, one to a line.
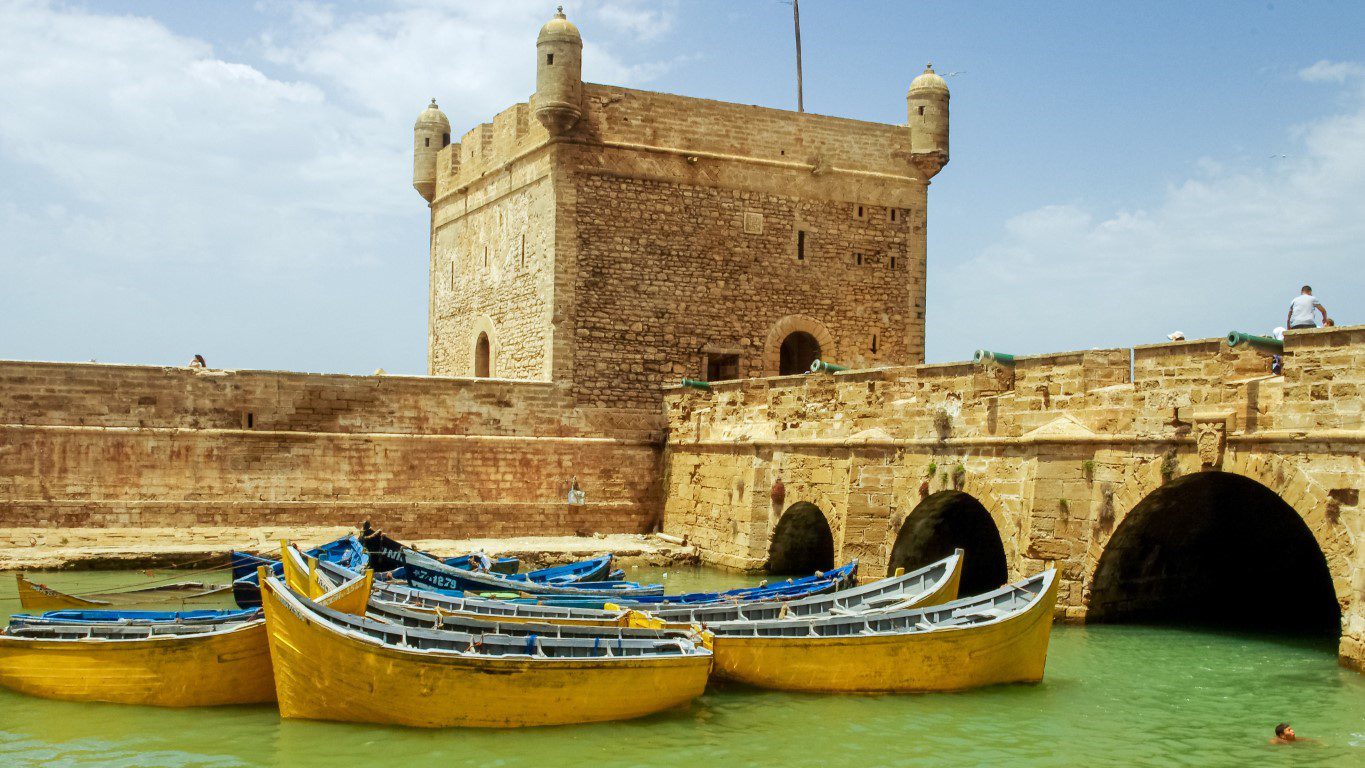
(796,19)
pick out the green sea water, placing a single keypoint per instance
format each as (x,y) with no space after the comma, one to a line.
(1113,695)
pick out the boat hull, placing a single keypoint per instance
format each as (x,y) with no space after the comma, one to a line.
(36,597)
(198,671)
(323,674)
(949,659)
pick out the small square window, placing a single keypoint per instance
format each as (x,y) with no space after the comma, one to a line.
(550,59)
(858,259)
(722,367)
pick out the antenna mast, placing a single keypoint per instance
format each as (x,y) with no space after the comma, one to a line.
(796,19)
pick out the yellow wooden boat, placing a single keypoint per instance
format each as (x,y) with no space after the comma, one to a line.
(933,584)
(330,666)
(164,665)
(156,663)
(998,637)
(39,597)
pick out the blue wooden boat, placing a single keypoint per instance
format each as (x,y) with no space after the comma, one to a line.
(386,555)
(591,570)
(792,589)
(246,591)
(816,584)
(391,556)
(427,572)
(132,617)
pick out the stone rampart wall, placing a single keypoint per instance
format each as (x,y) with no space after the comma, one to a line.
(104,445)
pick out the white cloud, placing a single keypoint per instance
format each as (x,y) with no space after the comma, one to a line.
(1227,248)
(1332,72)
(147,174)
(643,20)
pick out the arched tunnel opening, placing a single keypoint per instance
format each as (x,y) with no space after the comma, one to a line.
(946,521)
(1215,549)
(802,542)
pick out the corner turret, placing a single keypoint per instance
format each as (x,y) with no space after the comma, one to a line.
(927,104)
(559,75)
(430,133)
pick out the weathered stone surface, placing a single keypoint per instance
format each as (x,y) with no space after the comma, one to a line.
(84,445)
(1058,459)
(662,230)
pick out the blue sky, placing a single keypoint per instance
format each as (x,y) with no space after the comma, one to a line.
(234,179)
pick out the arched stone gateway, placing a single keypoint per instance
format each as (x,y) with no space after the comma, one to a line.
(1215,548)
(796,354)
(793,343)
(943,522)
(802,542)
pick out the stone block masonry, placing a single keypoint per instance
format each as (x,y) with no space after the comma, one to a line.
(1072,461)
(86,445)
(666,236)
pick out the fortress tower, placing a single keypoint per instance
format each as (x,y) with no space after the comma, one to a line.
(616,240)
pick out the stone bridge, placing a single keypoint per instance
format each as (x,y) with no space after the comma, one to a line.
(1171,481)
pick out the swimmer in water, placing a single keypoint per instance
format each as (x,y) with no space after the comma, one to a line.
(1285,735)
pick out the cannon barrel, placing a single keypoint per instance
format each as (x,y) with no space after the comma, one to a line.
(984,356)
(1263,343)
(693,383)
(820,366)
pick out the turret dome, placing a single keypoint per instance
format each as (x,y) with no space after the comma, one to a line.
(559,29)
(433,117)
(929,80)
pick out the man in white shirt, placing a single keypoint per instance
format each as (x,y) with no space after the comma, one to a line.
(1301,310)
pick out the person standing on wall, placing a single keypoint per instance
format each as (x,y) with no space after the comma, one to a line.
(1301,310)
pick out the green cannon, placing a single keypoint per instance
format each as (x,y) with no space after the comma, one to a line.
(820,366)
(1262,343)
(693,383)
(984,356)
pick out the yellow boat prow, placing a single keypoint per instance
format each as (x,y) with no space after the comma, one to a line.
(37,597)
(1011,649)
(352,597)
(326,672)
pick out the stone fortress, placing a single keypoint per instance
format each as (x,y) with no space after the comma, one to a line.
(616,240)
(595,245)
